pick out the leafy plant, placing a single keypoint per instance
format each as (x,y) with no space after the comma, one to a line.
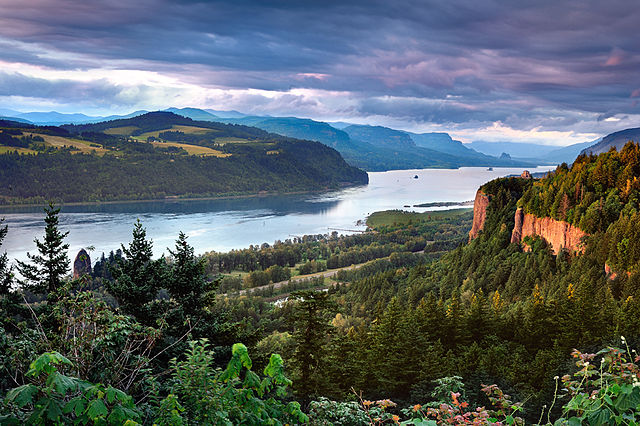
(55,398)
(201,394)
(604,392)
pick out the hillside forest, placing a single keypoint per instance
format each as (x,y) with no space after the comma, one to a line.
(413,323)
(160,155)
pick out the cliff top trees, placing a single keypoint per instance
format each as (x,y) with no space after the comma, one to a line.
(44,273)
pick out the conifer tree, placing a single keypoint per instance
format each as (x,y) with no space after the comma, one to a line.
(45,271)
(6,275)
(187,281)
(137,277)
(311,330)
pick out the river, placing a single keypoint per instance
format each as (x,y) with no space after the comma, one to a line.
(225,224)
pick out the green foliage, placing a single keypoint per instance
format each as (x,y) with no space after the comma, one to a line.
(44,273)
(187,282)
(137,277)
(604,392)
(55,398)
(133,170)
(201,394)
(310,332)
(6,275)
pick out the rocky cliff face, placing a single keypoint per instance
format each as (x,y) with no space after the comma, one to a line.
(557,233)
(479,214)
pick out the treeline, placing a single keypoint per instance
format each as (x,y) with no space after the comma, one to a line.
(431,234)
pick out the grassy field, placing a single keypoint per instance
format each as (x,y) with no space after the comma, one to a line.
(60,142)
(121,131)
(190,130)
(397,217)
(194,149)
(231,140)
(5,149)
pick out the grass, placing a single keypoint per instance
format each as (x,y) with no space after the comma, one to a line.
(232,140)
(194,149)
(190,130)
(5,149)
(121,131)
(400,217)
(60,142)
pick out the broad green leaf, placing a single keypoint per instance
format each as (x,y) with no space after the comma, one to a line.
(22,395)
(111,395)
(54,411)
(61,383)
(627,399)
(75,405)
(242,353)
(96,409)
(599,417)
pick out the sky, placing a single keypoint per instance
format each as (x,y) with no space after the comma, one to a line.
(554,72)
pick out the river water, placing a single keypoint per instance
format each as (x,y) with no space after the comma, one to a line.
(225,224)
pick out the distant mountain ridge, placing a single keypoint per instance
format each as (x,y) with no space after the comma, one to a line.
(616,139)
(373,148)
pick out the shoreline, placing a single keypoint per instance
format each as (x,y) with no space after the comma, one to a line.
(172,199)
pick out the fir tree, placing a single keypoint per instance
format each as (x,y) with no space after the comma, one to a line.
(45,271)
(137,277)
(6,275)
(311,329)
(187,282)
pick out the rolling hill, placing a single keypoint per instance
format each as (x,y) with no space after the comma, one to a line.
(158,155)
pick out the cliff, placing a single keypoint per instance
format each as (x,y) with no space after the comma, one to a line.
(479,213)
(557,233)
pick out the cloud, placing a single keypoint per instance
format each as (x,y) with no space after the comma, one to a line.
(460,64)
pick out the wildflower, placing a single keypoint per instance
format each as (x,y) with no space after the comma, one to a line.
(556,378)
(367,403)
(395,418)
(416,407)
(623,340)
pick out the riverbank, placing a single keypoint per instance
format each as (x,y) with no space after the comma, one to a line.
(176,199)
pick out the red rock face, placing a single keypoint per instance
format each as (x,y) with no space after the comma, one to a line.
(557,233)
(479,214)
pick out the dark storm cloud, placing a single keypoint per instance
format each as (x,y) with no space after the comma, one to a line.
(498,59)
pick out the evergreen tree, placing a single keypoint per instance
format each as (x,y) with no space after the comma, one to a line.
(311,330)
(6,275)
(45,271)
(137,277)
(187,281)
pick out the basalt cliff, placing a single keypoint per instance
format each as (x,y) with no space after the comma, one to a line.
(557,233)
(480,205)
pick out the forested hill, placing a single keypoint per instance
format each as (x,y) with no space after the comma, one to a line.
(159,155)
(600,195)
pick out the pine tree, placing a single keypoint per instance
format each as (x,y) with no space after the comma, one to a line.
(45,271)
(6,275)
(137,277)
(311,330)
(187,281)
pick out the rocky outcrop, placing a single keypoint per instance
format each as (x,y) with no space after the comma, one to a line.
(480,205)
(557,233)
(82,264)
